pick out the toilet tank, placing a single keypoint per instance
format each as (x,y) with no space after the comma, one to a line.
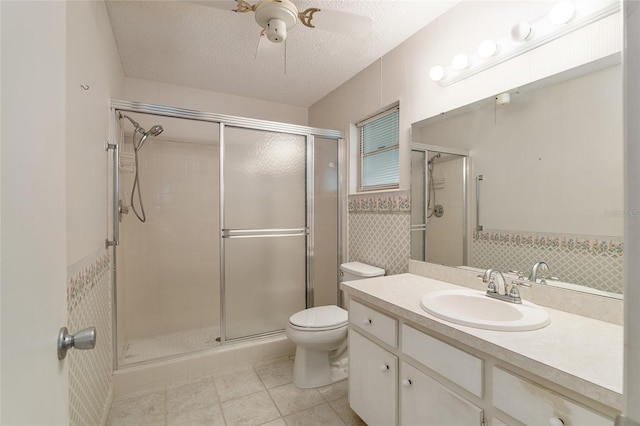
(356,271)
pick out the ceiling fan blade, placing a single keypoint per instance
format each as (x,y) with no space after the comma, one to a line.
(231,5)
(336,21)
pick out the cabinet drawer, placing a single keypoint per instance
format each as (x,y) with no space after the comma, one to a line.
(458,366)
(379,325)
(534,405)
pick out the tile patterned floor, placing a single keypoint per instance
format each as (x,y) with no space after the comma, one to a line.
(251,395)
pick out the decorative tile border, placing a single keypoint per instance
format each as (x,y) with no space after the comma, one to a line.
(83,276)
(587,260)
(594,244)
(381,202)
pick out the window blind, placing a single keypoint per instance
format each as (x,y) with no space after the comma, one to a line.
(379,159)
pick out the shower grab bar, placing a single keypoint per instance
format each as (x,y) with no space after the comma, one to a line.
(419,227)
(478,179)
(254,233)
(116,194)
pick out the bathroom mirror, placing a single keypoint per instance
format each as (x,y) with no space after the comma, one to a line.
(539,178)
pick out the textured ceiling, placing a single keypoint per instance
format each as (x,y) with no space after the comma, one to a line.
(189,44)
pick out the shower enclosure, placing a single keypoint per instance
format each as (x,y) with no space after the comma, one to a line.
(242,228)
(438,205)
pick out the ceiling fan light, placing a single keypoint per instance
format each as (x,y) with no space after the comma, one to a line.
(276,30)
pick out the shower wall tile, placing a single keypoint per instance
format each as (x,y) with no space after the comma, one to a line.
(379,230)
(168,269)
(89,304)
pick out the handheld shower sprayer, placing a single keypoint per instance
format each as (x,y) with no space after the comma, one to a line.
(153,131)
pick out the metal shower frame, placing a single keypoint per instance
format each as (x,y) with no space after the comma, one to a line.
(310,133)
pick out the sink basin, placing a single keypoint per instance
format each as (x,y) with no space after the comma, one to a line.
(474,309)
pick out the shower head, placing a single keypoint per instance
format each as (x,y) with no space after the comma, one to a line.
(154,131)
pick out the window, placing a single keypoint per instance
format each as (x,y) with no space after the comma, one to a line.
(379,161)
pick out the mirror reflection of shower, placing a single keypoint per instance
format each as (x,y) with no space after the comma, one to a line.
(153,131)
(432,207)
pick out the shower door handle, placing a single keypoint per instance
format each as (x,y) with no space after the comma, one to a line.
(419,227)
(115,195)
(478,179)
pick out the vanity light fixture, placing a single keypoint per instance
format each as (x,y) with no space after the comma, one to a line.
(564,18)
(460,62)
(437,73)
(562,13)
(522,31)
(487,49)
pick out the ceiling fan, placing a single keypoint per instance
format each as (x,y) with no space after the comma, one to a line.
(277,17)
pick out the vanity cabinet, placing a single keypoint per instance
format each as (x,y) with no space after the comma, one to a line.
(424,401)
(373,380)
(401,375)
(542,406)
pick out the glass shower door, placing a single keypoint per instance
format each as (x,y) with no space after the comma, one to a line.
(264,230)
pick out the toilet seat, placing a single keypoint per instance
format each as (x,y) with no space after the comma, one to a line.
(320,318)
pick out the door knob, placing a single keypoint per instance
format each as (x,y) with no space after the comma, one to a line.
(83,339)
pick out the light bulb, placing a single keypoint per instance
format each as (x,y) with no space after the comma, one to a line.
(562,13)
(436,73)
(522,31)
(487,49)
(460,62)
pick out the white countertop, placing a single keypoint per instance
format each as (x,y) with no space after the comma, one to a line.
(576,352)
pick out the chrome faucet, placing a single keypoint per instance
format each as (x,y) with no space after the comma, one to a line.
(533,276)
(486,278)
(500,291)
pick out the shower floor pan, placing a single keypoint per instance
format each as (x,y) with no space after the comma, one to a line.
(168,345)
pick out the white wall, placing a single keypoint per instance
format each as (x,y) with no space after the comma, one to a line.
(219,103)
(402,74)
(92,60)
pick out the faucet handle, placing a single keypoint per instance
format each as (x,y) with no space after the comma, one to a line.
(521,282)
(514,293)
(518,273)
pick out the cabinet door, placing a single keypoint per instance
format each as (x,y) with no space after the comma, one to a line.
(424,401)
(373,381)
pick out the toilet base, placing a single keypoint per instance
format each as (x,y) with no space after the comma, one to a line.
(313,369)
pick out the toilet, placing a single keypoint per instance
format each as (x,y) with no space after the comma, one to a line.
(320,336)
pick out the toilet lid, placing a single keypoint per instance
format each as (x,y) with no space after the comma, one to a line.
(320,317)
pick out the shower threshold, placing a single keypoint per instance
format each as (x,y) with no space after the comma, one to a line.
(168,345)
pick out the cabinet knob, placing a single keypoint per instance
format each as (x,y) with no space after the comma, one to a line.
(384,368)
(406,383)
(367,321)
(556,421)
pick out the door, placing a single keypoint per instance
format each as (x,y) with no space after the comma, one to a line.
(424,401)
(264,230)
(373,381)
(34,387)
